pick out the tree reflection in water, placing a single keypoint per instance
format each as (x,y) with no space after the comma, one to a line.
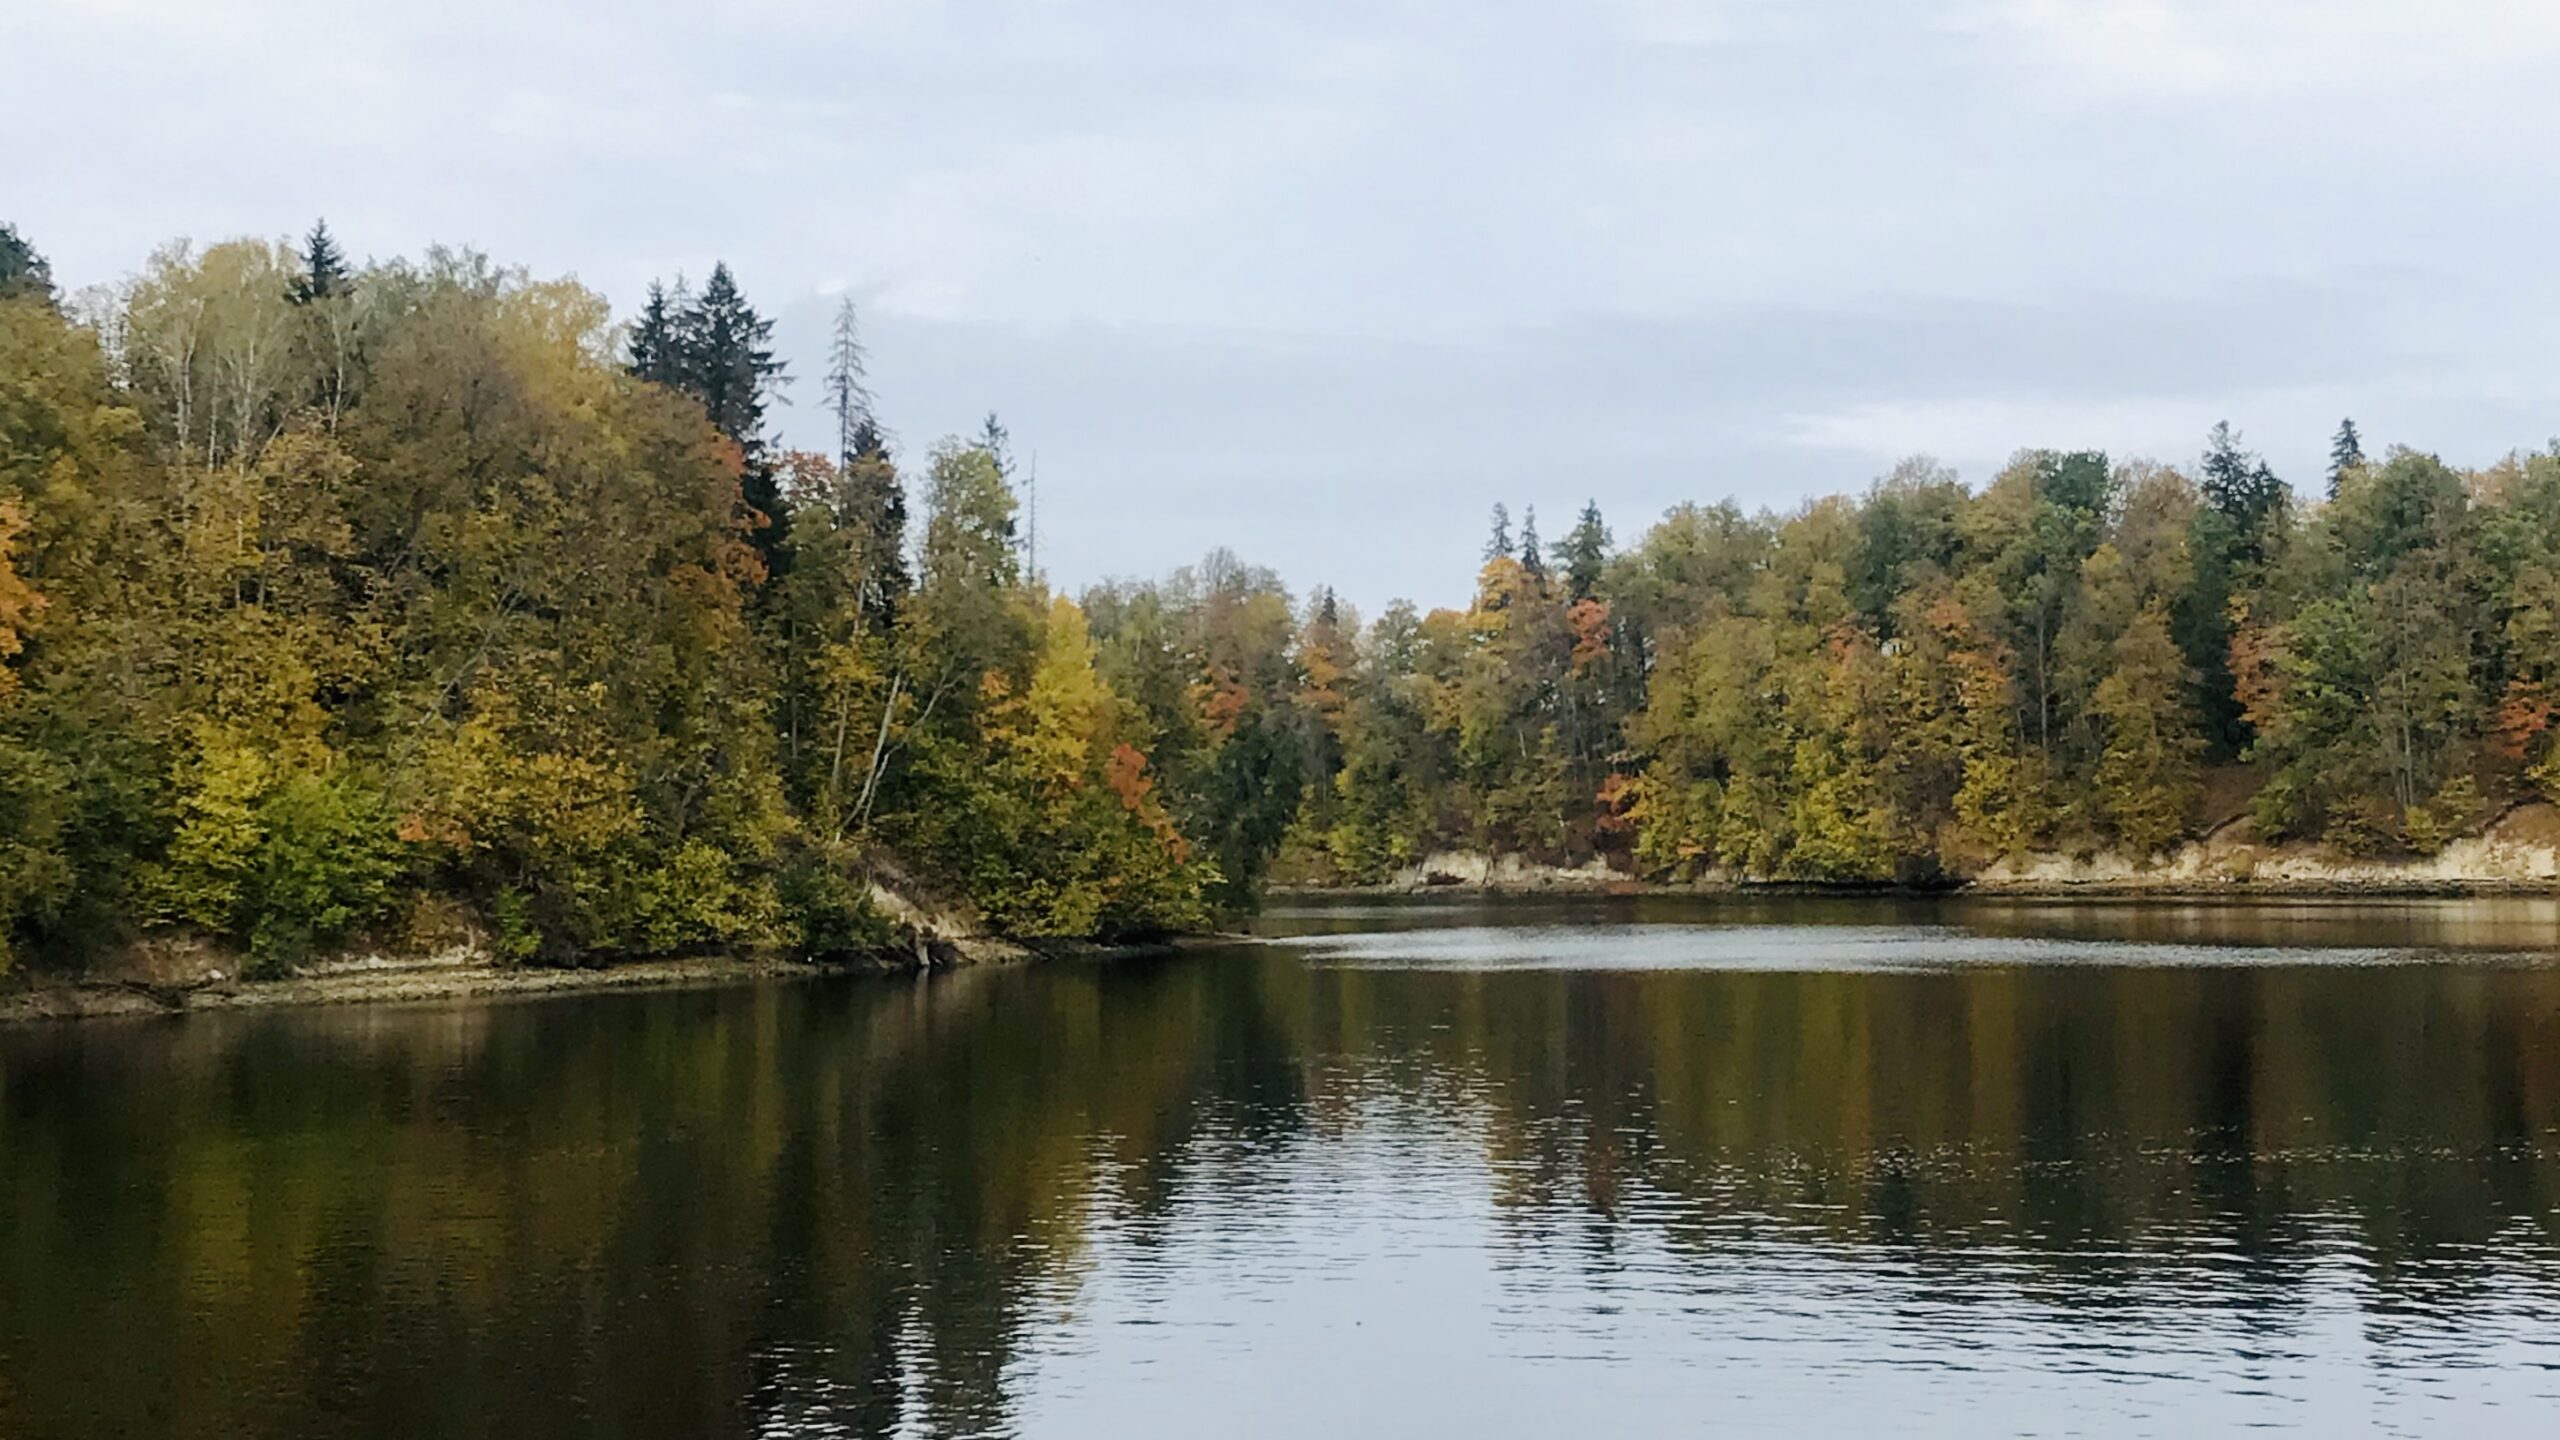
(879,1208)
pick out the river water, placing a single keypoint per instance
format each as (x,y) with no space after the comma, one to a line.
(1633,1167)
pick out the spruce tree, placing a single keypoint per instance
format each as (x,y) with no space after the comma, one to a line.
(23,273)
(728,360)
(1584,552)
(879,498)
(997,441)
(2346,453)
(718,350)
(2244,502)
(654,352)
(875,497)
(2241,487)
(1532,556)
(848,393)
(324,267)
(1498,545)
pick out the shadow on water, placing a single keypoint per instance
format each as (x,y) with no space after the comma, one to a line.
(973,1204)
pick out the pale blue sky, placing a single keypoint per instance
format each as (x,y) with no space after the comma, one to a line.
(1324,280)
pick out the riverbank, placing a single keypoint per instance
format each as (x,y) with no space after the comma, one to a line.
(2516,853)
(467,973)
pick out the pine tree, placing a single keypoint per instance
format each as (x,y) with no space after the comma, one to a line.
(1532,555)
(1584,552)
(2346,453)
(1497,546)
(324,267)
(23,272)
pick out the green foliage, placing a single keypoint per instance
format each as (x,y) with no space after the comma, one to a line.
(324,267)
(278,858)
(371,585)
(336,590)
(2147,778)
(827,906)
(325,865)
(24,275)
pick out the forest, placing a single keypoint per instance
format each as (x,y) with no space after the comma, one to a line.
(345,599)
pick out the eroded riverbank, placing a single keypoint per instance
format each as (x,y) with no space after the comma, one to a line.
(2516,854)
(378,980)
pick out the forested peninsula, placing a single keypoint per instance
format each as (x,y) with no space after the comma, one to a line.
(370,604)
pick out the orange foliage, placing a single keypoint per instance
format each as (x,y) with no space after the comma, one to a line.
(1590,621)
(2256,651)
(1617,799)
(1324,680)
(1125,771)
(1845,639)
(1222,700)
(417,829)
(2523,716)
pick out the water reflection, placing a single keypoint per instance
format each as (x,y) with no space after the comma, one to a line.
(1275,1190)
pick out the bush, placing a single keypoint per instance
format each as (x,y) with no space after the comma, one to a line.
(284,862)
(325,864)
(827,909)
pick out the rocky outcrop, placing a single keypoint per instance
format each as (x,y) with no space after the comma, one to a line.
(2519,851)
(1467,870)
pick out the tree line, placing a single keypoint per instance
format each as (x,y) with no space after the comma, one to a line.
(1911,684)
(344,599)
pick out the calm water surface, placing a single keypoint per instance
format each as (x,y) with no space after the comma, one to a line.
(1429,1168)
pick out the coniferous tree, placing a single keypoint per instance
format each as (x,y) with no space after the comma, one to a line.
(2243,489)
(729,364)
(1498,544)
(2243,505)
(2346,453)
(848,389)
(654,349)
(1532,555)
(1584,552)
(718,350)
(324,267)
(997,441)
(23,272)
(873,490)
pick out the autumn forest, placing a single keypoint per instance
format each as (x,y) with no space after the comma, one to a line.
(345,599)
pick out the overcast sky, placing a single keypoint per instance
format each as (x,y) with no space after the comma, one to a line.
(1324,280)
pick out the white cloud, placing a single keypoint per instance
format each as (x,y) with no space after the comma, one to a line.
(2350,50)
(1233,271)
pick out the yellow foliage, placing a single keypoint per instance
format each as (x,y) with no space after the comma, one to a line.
(19,602)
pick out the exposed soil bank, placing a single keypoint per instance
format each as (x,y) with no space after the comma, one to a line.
(2517,853)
